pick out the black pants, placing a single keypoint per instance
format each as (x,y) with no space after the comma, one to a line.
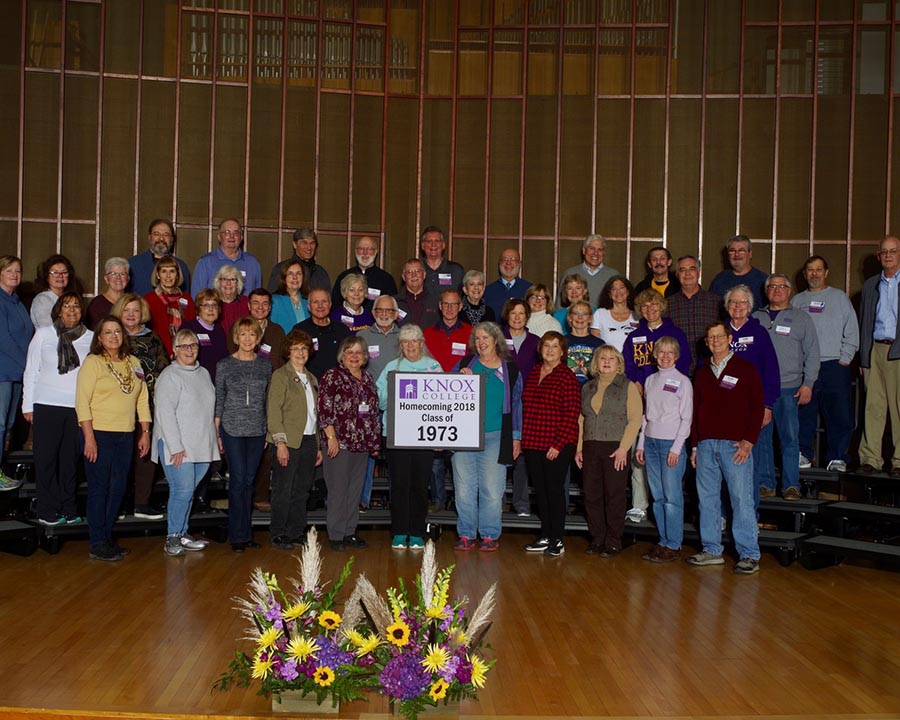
(604,493)
(410,476)
(290,489)
(58,444)
(548,477)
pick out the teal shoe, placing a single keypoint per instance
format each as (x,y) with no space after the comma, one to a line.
(399,542)
(416,543)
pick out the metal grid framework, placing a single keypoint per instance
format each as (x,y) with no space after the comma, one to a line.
(394,62)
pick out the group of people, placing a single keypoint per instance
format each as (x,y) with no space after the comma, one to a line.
(280,381)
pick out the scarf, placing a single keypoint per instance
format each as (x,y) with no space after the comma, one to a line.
(474,313)
(173,310)
(66,356)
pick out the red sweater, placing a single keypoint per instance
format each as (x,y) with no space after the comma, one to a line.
(550,409)
(440,340)
(730,407)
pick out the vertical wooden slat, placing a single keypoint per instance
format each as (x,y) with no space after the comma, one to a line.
(852,144)
(60,130)
(776,165)
(137,131)
(703,100)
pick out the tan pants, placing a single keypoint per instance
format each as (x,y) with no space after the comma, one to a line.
(882,381)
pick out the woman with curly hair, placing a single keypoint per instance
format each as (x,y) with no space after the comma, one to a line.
(55,276)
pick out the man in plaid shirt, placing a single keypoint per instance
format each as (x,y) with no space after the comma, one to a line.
(692,308)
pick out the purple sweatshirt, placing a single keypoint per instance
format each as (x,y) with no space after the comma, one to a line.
(670,408)
(638,350)
(753,344)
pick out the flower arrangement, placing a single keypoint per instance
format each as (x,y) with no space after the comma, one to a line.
(297,638)
(423,650)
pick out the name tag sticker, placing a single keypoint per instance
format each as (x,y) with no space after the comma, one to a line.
(401,314)
(672,386)
(748,340)
(363,409)
(633,324)
(183,302)
(204,339)
(315,343)
(373,293)
(139,371)
(510,344)
(782,330)
(265,350)
(445,279)
(458,349)
(347,320)
(374,351)
(728,381)
(817,306)
(641,339)
(243,273)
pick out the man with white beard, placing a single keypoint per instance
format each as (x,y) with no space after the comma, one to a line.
(379,282)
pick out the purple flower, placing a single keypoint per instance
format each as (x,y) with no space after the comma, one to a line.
(273,613)
(331,655)
(404,677)
(288,671)
(448,674)
(464,671)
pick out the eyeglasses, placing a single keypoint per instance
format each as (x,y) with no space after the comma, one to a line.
(413,272)
(777,287)
(716,337)
(231,233)
(538,297)
(71,306)
(187,346)
(892,251)
(738,302)
(227,280)
(384,310)
(118,275)
(56,273)
(158,235)
(111,333)
(209,305)
(450,304)
(580,314)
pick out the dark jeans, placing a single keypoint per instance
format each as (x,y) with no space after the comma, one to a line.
(604,493)
(106,480)
(58,443)
(549,480)
(243,454)
(409,490)
(831,396)
(290,489)
(439,478)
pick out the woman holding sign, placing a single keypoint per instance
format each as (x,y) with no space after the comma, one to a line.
(410,469)
(480,476)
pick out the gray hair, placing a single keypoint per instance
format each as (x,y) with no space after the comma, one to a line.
(787,280)
(742,289)
(116,262)
(304,233)
(690,257)
(492,329)
(226,271)
(472,275)
(352,279)
(590,238)
(411,332)
(393,300)
(667,341)
(185,334)
(739,238)
(349,342)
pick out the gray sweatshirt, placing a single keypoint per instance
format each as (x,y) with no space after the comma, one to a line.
(835,321)
(796,345)
(183,414)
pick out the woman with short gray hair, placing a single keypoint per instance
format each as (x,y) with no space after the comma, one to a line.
(473,308)
(116,274)
(229,284)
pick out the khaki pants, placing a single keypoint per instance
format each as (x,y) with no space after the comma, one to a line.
(882,381)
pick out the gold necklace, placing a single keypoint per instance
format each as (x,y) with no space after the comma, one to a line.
(126,382)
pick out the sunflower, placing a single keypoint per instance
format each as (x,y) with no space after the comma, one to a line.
(436,658)
(261,667)
(268,638)
(302,647)
(329,620)
(479,670)
(438,691)
(295,611)
(398,633)
(323,676)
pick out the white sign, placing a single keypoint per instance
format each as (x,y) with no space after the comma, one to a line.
(435,411)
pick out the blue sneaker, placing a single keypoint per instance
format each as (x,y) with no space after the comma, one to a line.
(416,543)
(399,542)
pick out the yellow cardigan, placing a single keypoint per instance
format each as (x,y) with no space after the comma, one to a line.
(99,398)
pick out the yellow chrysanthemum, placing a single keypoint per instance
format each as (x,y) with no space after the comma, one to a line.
(398,633)
(436,658)
(329,620)
(460,637)
(479,670)
(364,644)
(302,647)
(261,668)
(355,637)
(295,611)
(323,676)
(438,691)
(268,638)
(435,612)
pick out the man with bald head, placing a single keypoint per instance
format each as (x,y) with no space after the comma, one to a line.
(379,282)
(593,269)
(229,252)
(509,285)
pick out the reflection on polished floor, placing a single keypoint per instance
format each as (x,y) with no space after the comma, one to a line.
(576,636)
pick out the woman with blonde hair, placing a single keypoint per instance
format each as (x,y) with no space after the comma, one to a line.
(169,306)
(541,319)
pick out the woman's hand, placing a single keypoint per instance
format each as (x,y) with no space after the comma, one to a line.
(694,458)
(282,454)
(29,417)
(177,459)
(318,458)
(579,459)
(90,449)
(517,449)
(552,453)
(144,444)
(639,456)
(620,458)
(466,371)
(672,459)
(221,445)
(334,447)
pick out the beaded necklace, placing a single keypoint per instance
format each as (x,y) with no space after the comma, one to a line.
(126,382)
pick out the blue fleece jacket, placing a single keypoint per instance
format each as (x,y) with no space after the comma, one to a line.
(15,334)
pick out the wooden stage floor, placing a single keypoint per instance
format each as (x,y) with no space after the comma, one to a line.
(576,636)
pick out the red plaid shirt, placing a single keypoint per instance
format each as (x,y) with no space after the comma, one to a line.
(550,409)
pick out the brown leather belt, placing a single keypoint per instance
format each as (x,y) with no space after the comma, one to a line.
(885,342)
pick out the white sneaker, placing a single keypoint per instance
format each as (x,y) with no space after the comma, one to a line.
(804,462)
(635,515)
(837,466)
(191,545)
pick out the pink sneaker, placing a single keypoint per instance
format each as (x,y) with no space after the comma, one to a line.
(489,545)
(464,543)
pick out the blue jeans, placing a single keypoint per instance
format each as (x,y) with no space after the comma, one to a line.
(106,479)
(183,479)
(713,464)
(10,392)
(479,482)
(787,423)
(243,454)
(366,496)
(665,487)
(831,396)
(439,478)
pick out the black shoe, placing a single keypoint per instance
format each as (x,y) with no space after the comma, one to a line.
(538,545)
(252,545)
(298,542)
(555,548)
(610,552)
(355,541)
(282,542)
(866,469)
(337,546)
(238,547)
(200,506)
(123,551)
(148,512)
(594,549)
(105,552)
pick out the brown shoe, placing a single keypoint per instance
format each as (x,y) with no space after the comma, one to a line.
(765,492)
(667,555)
(866,469)
(594,549)
(653,553)
(792,493)
(263,506)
